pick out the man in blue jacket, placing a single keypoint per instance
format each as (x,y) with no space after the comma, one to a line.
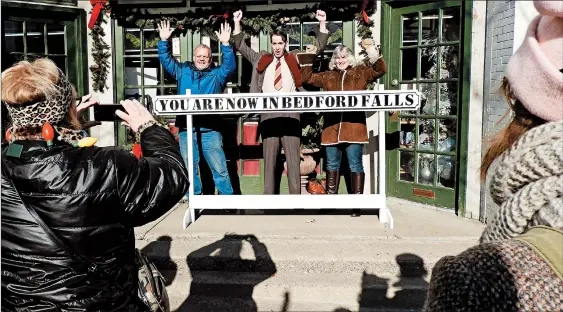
(202,77)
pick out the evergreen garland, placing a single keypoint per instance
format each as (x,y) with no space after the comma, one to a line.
(101,54)
(207,21)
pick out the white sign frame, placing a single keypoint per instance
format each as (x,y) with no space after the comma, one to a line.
(360,201)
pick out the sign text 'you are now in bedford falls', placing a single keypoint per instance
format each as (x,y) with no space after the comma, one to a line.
(193,104)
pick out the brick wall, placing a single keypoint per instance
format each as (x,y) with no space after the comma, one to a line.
(499,47)
(499,42)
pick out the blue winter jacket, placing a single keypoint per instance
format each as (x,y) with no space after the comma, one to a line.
(211,80)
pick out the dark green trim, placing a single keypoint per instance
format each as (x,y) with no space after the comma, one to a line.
(463,123)
(40,8)
(119,79)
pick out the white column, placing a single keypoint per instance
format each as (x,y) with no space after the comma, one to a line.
(105,133)
(475,118)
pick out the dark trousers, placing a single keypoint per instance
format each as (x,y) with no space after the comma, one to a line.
(277,133)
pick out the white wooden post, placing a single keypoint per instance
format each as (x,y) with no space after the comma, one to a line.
(189,215)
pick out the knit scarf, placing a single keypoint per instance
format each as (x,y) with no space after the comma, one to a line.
(528,184)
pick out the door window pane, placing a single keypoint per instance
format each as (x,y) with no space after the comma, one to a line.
(152,71)
(133,71)
(150,39)
(60,61)
(428,61)
(132,41)
(450,24)
(446,171)
(408,64)
(35,37)
(407,132)
(448,98)
(425,168)
(56,39)
(410,29)
(428,102)
(13,38)
(429,27)
(406,166)
(133,94)
(336,35)
(447,135)
(450,62)
(426,134)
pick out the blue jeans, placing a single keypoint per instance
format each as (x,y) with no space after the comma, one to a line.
(212,150)
(353,151)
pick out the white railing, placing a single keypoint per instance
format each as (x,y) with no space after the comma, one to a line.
(244,103)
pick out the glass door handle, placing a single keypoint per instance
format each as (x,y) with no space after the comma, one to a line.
(394,82)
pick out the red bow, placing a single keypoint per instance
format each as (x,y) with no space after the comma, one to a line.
(364,13)
(98,6)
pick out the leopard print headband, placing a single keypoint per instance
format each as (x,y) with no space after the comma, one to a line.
(27,119)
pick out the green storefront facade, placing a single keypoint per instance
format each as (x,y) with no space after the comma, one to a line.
(428,45)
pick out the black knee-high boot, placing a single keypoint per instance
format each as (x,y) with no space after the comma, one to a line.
(358,179)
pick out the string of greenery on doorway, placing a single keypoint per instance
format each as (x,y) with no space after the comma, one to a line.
(207,20)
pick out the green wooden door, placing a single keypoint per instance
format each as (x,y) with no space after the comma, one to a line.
(425,52)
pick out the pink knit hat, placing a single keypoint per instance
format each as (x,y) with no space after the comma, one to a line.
(534,71)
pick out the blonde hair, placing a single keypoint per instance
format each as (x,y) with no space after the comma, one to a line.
(31,82)
(339,51)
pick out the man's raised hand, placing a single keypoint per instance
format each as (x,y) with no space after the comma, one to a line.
(320,15)
(164,30)
(237,16)
(225,34)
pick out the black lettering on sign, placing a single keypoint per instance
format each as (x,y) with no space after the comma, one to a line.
(387,100)
(352,101)
(252,102)
(319,101)
(365,100)
(297,102)
(398,100)
(163,104)
(285,102)
(218,104)
(197,105)
(410,100)
(207,104)
(377,101)
(340,101)
(230,103)
(273,103)
(308,102)
(183,105)
(174,105)
(241,103)
(329,101)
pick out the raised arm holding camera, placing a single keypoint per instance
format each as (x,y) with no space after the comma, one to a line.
(56,193)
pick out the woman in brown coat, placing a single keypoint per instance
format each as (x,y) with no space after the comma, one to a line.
(345,132)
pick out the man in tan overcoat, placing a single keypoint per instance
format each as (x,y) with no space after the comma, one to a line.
(278,72)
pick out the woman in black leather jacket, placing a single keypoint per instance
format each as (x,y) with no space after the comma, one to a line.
(90,197)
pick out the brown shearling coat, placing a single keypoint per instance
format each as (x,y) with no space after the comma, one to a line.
(345,127)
